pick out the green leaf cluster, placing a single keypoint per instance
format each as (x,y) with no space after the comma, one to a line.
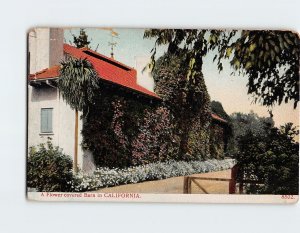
(49,169)
(269,59)
(78,83)
(271,159)
(81,41)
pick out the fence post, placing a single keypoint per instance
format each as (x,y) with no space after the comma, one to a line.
(189,185)
(185,184)
(241,185)
(241,188)
(232,182)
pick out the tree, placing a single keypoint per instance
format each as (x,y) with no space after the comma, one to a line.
(81,41)
(78,83)
(270,59)
(272,159)
(187,100)
(243,124)
(251,122)
(217,108)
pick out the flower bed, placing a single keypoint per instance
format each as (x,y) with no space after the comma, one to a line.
(105,177)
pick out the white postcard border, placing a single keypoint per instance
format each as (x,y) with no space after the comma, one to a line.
(161,198)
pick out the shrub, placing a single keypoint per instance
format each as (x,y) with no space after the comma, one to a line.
(272,159)
(106,177)
(48,169)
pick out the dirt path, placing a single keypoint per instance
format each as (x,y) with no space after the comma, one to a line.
(175,185)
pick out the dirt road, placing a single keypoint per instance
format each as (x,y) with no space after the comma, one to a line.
(175,185)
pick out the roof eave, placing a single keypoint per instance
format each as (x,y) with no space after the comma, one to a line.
(39,81)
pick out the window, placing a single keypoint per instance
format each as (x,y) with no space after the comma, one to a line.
(46,120)
(107,60)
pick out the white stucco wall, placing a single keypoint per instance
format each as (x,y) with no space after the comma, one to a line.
(63,121)
(144,77)
(38,98)
(63,117)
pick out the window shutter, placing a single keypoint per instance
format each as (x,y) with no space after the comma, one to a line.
(49,118)
(46,120)
(43,120)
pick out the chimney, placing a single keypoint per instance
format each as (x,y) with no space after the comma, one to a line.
(45,48)
(56,47)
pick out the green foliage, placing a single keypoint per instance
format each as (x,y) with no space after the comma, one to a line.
(82,40)
(111,127)
(78,83)
(188,102)
(156,139)
(122,130)
(272,159)
(217,107)
(192,42)
(217,140)
(48,169)
(222,137)
(243,123)
(270,59)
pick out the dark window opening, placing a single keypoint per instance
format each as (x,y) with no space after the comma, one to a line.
(107,60)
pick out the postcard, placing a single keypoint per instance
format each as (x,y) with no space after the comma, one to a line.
(162,115)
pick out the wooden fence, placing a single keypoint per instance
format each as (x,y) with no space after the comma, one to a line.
(188,180)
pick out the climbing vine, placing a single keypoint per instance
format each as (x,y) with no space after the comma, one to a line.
(126,130)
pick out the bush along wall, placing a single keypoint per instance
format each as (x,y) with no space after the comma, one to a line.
(49,169)
(106,177)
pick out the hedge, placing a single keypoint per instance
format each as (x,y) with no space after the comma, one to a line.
(106,177)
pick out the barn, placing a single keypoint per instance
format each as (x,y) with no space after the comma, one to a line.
(49,116)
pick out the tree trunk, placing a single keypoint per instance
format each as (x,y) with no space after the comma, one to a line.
(75,164)
(184,126)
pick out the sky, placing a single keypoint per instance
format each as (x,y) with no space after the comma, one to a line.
(133,50)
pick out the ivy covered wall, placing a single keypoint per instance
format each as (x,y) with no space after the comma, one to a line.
(124,129)
(217,140)
(189,104)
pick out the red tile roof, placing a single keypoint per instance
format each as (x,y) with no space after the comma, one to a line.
(107,68)
(51,72)
(216,117)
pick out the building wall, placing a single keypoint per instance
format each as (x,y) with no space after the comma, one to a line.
(45,49)
(63,121)
(144,77)
(39,49)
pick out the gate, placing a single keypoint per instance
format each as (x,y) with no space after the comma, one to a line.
(232,182)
